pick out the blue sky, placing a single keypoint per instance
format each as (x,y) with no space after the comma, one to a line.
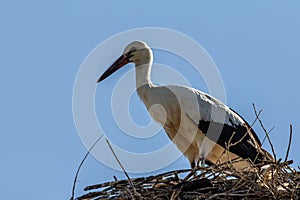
(43,43)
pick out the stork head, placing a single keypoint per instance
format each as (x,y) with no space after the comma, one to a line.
(137,52)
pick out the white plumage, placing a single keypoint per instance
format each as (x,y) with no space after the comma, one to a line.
(201,126)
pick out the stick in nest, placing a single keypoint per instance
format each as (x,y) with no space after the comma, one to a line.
(289,145)
(266,132)
(121,166)
(81,163)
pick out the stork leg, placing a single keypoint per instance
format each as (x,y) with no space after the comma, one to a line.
(201,162)
(193,167)
(193,164)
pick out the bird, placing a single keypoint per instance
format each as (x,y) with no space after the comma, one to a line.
(203,128)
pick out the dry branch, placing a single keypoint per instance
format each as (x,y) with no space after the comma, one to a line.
(81,163)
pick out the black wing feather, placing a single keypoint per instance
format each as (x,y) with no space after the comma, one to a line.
(233,133)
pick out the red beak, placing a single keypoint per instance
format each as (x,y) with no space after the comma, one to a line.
(120,62)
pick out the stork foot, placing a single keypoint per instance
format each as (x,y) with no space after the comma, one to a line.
(201,162)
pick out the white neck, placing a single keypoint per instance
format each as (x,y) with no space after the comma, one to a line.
(143,81)
(142,73)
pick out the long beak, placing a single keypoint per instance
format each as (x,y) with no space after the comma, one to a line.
(120,62)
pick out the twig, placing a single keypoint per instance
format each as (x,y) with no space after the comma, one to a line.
(247,133)
(115,178)
(289,145)
(120,165)
(174,195)
(263,141)
(266,132)
(81,163)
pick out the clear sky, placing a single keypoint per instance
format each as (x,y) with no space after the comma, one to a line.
(255,46)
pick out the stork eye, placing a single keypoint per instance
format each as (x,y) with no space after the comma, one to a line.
(129,53)
(132,49)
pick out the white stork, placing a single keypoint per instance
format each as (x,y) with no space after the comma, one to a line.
(201,126)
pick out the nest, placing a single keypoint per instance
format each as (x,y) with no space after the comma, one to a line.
(267,181)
